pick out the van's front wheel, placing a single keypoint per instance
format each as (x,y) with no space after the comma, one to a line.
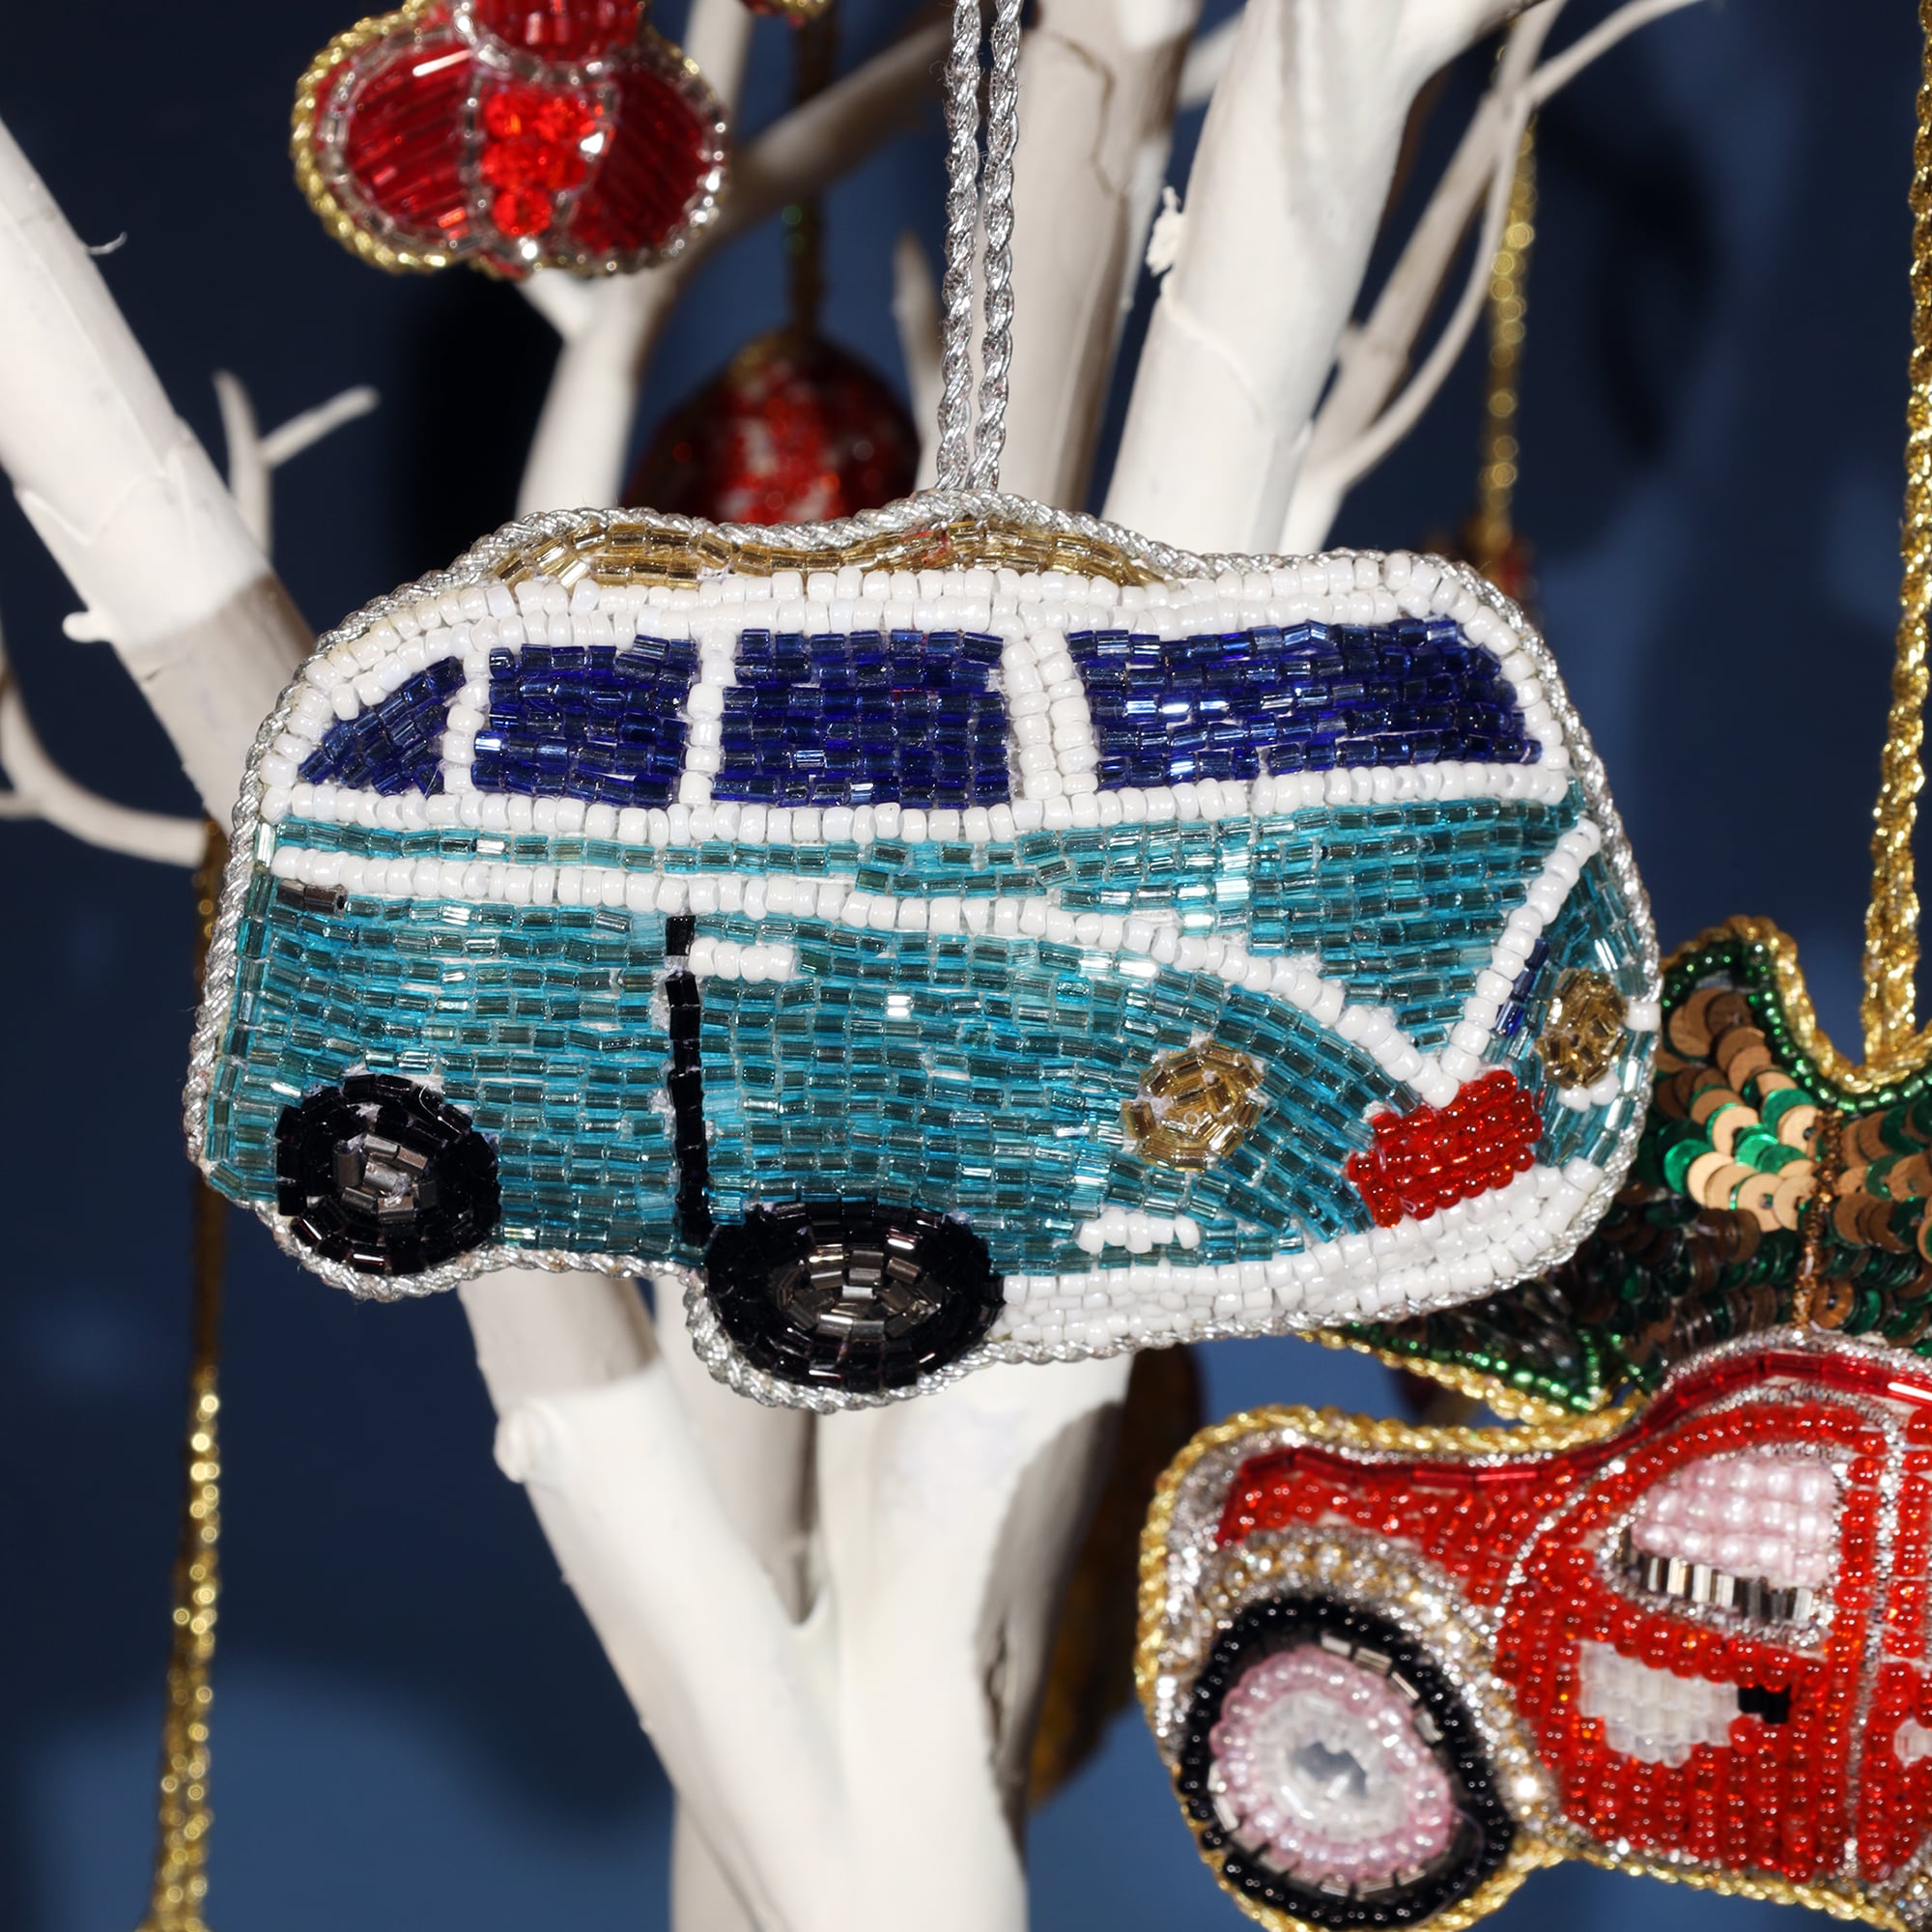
(856,1295)
(385,1175)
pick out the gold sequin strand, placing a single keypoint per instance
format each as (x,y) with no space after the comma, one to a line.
(180,1885)
(1492,529)
(1888,1011)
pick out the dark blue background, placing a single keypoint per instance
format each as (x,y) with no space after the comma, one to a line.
(414,1726)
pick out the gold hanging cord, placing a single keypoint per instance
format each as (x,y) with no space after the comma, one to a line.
(1893,1042)
(1492,532)
(180,1856)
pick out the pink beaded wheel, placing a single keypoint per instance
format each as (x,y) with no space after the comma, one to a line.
(1318,1756)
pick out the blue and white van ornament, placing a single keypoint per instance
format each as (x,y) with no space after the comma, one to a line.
(966,933)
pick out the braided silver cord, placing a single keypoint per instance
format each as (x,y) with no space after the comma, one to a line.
(955,362)
(996,209)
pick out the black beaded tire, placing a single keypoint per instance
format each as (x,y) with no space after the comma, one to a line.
(1484,1832)
(850,1294)
(385,1175)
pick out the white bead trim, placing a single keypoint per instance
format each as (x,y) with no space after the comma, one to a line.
(687,823)
(1139,1233)
(1452,1256)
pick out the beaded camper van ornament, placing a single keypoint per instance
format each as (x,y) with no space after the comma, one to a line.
(510,136)
(1394,1669)
(1777,1180)
(967,933)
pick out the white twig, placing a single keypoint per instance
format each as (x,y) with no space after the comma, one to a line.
(916,313)
(43,790)
(306,430)
(125,498)
(577,456)
(1485,163)
(1295,166)
(1205,62)
(253,458)
(1096,102)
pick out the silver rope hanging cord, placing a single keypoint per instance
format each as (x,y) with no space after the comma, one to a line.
(970,459)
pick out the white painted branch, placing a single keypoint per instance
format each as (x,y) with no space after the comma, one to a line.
(576,457)
(1370,359)
(43,790)
(916,314)
(1097,82)
(843,1764)
(1486,160)
(125,498)
(1205,62)
(1287,187)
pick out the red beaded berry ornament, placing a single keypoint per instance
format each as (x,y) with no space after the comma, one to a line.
(1394,1669)
(794,430)
(509,136)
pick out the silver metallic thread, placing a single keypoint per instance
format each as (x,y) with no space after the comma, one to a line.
(996,217)
(962,215)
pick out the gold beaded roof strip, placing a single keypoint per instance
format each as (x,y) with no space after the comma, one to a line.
(649,549)
(1892,1040)
(180,1885)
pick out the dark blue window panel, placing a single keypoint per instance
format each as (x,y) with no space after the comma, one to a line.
(393,747)
(1308,698)
(864,719)
(588,721)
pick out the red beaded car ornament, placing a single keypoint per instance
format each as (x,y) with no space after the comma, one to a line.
(510,136)
(1394,1669)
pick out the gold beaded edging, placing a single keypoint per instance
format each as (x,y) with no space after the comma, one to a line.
(643,547)
(309,177)
(1511,1404)
(1800,1017)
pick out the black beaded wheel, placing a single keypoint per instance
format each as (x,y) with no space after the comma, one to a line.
(1333,1773)
(850,1294)
(385,1174)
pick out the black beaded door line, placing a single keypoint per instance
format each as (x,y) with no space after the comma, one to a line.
(684,1082)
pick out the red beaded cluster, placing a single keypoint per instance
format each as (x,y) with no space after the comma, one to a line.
(1826,1788)
(1434,1156)
(793,431)
(563,133)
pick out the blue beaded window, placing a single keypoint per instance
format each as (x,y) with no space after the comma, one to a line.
(864,719)
(588,721)
(393,747)
(1307,697)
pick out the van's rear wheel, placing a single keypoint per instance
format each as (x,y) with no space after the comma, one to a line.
(385,1174)
(850,1294)
(1332,1771)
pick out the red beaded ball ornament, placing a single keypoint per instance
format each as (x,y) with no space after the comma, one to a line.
(512,134)
(793,429)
